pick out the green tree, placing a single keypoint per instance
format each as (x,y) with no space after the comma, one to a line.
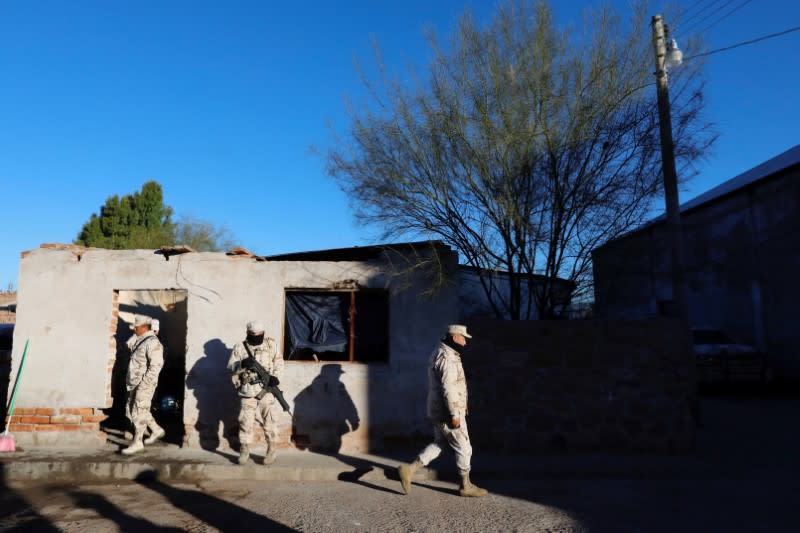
(525,147)
(138,220)
(143,220)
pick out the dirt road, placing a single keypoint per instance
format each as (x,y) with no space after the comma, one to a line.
(747,447)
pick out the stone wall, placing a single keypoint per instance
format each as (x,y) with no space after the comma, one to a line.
(580,386)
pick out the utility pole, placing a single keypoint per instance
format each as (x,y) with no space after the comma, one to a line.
(679,286)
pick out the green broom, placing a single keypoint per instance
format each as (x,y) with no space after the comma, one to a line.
(6,440)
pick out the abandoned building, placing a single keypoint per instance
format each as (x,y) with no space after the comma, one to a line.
(742,249)
(356,326)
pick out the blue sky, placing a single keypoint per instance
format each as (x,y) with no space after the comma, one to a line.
(221,101)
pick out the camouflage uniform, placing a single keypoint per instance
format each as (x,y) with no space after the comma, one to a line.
(147,358)
(447,399)
(251,407)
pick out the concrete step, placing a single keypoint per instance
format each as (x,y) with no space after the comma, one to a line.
(191,466)
(174,464)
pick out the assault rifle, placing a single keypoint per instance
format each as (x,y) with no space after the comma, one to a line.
(268,381)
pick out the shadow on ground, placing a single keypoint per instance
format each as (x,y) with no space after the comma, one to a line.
(215,512)
(16,513)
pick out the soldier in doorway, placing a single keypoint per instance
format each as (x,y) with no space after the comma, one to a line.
(447,410)
(255,405)
(147,359)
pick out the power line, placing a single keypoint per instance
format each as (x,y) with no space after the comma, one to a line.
(696,4)
(726,15)
(709,16)
(745,43)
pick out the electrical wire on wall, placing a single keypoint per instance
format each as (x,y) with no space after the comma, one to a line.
(179,274)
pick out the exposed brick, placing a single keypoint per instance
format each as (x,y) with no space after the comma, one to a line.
(47,427)
(45,411)
(76,411)
(93,418)
(32,419)
(98,411)
(25,254)
(20,427)
(25,411)
(71,427)
(92,427)
(65,419)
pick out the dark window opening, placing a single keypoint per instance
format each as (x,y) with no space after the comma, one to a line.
(169,307)
(336,326)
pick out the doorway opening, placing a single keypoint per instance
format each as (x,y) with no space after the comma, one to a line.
(169,307)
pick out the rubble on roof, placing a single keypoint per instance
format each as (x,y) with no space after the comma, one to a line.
(178,249)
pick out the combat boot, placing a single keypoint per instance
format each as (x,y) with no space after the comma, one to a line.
(158,433)
(406,472)
(136,446)
(244,454)
(270,457)
(470,490)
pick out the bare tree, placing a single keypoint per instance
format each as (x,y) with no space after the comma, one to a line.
(203,236)
(525,147)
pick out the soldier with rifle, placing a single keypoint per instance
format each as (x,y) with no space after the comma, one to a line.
(255,368)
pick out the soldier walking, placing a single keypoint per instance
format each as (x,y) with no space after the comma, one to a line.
(447,410)
(255,404)
(147,358)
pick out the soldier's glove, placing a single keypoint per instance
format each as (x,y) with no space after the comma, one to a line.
(247,364)
(273,382)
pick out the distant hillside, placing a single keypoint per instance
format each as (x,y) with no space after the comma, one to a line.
(6,316)
(7,297)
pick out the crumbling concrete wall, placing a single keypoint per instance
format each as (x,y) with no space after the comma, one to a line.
(66,308)
(580,386)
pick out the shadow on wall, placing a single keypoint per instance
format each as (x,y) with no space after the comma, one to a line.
(217,401)
(323,413)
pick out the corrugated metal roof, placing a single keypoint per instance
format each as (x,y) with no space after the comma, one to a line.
(357,253)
